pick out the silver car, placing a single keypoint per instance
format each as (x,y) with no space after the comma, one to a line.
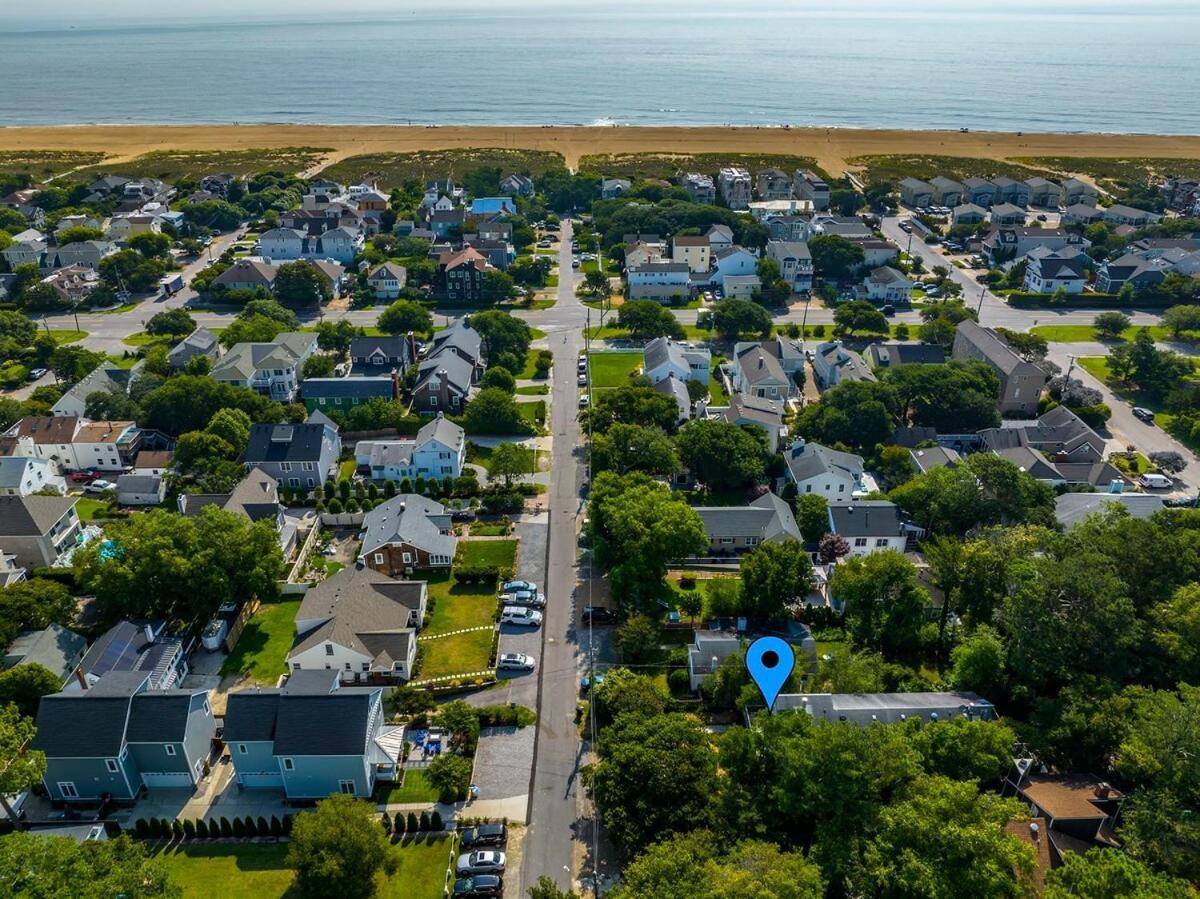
(513,586)
(515,661)
(485,861)
(529,598)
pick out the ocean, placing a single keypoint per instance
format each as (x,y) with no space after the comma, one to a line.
(1008,65)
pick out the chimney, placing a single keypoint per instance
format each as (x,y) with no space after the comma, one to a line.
(149,632)
(82,678)
(360,564)
(760,362)
(1102,790)
(395,386)
(441,415)
(1035,832)
(402,505)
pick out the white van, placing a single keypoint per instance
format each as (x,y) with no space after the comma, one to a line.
(520,615)
(1156,482)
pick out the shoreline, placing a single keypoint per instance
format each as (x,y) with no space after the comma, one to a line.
(832,147)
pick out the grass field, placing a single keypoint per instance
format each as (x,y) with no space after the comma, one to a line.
(534,413)
(1087,334)
(667,167)
(416,788)
(39,164)
(896,168)
(259,870)
(393,169)
(177,165)
(1112,173)
(87,507)
(456,606)
(535,390)
(612,369)
(487,552)
(61,337)
(261,652)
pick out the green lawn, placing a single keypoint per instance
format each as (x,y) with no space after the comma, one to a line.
(535,390)
(120,310)
(416,788)
(1087,334)
(141,338)
(613,369)
(1097,366)
(261,651)
(489,529)
(534,413)
(346,469)
(259,870)
(487,552)
(87,507)
(61,337)
(529,372)
(123,361)
(612,332)
(457,606)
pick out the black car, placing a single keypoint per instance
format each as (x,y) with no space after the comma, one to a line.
(479,885)
(484,835)
(599,615)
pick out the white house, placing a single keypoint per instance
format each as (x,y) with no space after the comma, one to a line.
(288,244)
(659,281)
(664,358)
(887,285)
(22,475)
(707,652)
(758,372)
(271,368)
(1051,272)
(835,475)
(795,263)
(438,450)
(869,526)
(733,261)
(387,280)
(141,489)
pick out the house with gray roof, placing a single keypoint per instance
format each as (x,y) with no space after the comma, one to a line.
(387,280)
(677,390)
(381,355)
(1043,193)
(104,377)
(890,355)
(887,285)
(311,737)
(1082,213)
(1060,434)
(1120,214)
(968,214)
(1075,191)
(255,497)
(444,383)
(664,358)
(757,372)
(830,473)
(978,191)
(795,263)
(916,193)
(406,533)
(834,364)
(120,736)
(54,647)
(343,394)
(612,188)
(141,489)
(201,342)
(1010,190)
(708,650)
(926,459)
(251,273)
(38,531)
(733,530)
(870,526)
(141,647)
(946,191)
(23,475)
(296,455)
(1021,382)
(886,708)
(86,253)
(754,411)
(362,624)
(271,368)
(1072,508)
(437,451)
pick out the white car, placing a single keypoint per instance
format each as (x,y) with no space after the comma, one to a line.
(99,487)
(531,598)
(582,379)
(583,401)
(485,861)
(512,586)
(522,616)
(515,661)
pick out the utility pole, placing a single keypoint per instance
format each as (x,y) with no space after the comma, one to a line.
(804,320)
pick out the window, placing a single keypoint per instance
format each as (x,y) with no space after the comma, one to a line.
(288,765)
(328,649)
(170,748)
(311,482)
(308,466)
(407,558)
(808,488)
(881,541)
(112,766)
(285,466)
(752,541)
(378,558)
(337,400)
(207,709)
(366,666)
(241,748)
(860,541)
(293,482)
(841,488)
(347,787)
(726,539)
(320,401)
(295,666)
(67,788)
(347,666)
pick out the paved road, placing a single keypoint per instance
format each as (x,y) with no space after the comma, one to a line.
(554,803)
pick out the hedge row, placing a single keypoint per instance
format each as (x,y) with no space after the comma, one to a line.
(212,829)
(412,823)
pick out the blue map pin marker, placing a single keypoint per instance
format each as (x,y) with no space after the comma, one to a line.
(770,661)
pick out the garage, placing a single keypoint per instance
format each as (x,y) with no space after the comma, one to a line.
(167,779)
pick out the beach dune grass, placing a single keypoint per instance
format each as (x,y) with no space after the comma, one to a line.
(667,166)
(393,169)
(895,168)
(43,163)
(177,165)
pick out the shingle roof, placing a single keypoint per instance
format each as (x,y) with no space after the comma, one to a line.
(285,443)
(388,270)
(458,370)
(867,518)
(812,459)
(32,516)
(1071,508)
(767,518)
(461,337)
(47,429)
(893,354)
(361,609)
(53,647)
(333,724)
(409,518)
(442,430)
(87,724)
(161,716)
(756,364)
(250,715)
(986,342)
(139,483)
(677,390)
(244,359)
(200,341)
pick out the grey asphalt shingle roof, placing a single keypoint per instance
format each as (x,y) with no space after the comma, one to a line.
(138,483)
(53,647)
(985,341)
(867,518)
(756,364)
(460,337)
(161,716)
(812,459)
(1072,508)
(677,390)
(412,519)
(333,724)
(32,516)
(357,602)
(458,371)
(244,359)
(767,518)
(893,354)
(285,443)
(250,715)
(87,724)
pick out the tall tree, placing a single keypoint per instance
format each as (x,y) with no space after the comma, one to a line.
(338,848)
(721,454)
(884,604)
(32,865)
(775,575)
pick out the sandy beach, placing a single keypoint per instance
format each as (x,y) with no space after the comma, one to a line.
(831,147)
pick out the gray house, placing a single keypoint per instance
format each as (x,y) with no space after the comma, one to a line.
(295,455)
(1021,382)
(119,736)
(53,647)
(311,737)
(104,377)
(739,529)
(201,342)
(38,530)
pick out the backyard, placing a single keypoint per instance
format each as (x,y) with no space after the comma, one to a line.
(415,788)
(261,651)
(259,870)
(613,369)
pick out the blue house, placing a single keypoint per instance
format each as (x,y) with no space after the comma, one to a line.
(120,735)
(493,206)
(311,737)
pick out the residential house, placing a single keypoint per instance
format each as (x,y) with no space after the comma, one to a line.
(1004,243)
(272,368)
(501,231)
(1051,273)
(312,737)
(694,251)
(947,191)
(460,275)
(443,383)
(1156,247)
(1021,382)
(887,285)
(498,253)
(699,187)
(256,497)
(119,737)
(22,476)
(342,394)
(708,650)
(612,188)
(86,253)
(381,355)
(1059,433)
(408,532)
(720,237)
(735,187)
(733,261)
(152,462)
(1004,214)
(1119,214)
(144,648)
(1043,193)
(387,280)
(741,287)
(876,252)
(847,226)
(756,371)
(795,263)
(106,377)
(521,185)
(105,445)
(664,358)
(1082,213)
(51,438)
(869,526)
(295,454)
(73,283)
(789,227)
(437,451)
(866,709)
(758,412)
(773,184)
(978,191)
(24,252)
(130,224)
(1072,508)
(1080,810)
(928,458)
(141,489)
(739,529)
(493,206)
(890,355)
(834,363)
(461,340)
(916,193)
(55,648)
(219,183)
(835,475)
(677,390)
(662,281)
(638,253)
(1009,190)
(288,244)
(201,342)
(970,214)
(248,274)
(808,185)
(1129,269)
(362,624)
(1073,192)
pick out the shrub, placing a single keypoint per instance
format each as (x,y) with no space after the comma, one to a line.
(406,485)
(166,828)
(352,505)
(226,828)
(276,827)
(398,824)
(819,331)
(239,828)
(262,827)
(424,823)
(201,829)
(343,489)
(251,827)
(373,492)
(435,821)
(411,824)
(329,490)
(385,822)
(287,824)
(335,506)
(389,488)
(141,829)
(177,829)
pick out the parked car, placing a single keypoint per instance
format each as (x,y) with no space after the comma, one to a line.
(529,598)
(487,861)
(511,586)
(888,309)
(599,615)
(582,381)
(35,373)
(84,477)
(585,682)
(484,835)
(574,263)
(1143,414)
(1153,481)
(99,486)
(515,661)
(520,615)
(481,886)
(583,401)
